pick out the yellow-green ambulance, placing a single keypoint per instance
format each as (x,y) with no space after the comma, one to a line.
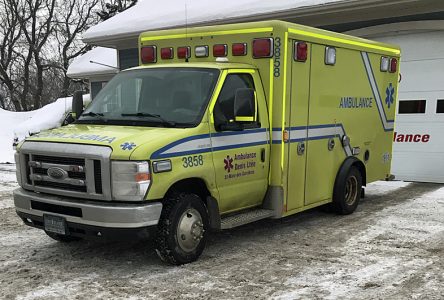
(218,127)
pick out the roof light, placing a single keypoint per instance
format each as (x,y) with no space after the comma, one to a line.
(385,62)
(300,51)
(220,50)
(393,65)
(167,53)
(239,49)
(330,56)
(263,48)
(184,52)
(148,54)
(201,51)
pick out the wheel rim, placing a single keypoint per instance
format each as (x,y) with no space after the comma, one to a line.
(190,230)
(351,190)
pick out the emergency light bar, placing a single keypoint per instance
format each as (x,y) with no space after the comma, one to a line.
(385,61)
(167,53)
(300,51)
(393,65)
(239,49)
(263,48)
(184,52)
(220,50)
(201,51)
(148,54)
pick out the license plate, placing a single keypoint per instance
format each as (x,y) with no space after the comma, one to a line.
(55,224)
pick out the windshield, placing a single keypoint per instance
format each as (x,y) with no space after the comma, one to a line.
(168,97)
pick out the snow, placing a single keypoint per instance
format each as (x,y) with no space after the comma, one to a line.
(82,67)
(149,15)
(22,124)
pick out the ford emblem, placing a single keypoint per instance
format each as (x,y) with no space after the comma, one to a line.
(57,173)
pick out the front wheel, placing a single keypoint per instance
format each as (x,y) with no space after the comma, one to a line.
(347,192)
(182,229)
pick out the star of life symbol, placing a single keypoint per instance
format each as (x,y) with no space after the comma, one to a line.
(389,92)
(228,164)
(127,146)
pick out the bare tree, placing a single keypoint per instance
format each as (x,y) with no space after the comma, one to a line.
(38,40)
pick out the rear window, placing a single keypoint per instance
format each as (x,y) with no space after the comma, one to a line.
(412,106)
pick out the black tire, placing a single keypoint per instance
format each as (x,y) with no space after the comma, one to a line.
(62,238)
(189,211)
(347,192)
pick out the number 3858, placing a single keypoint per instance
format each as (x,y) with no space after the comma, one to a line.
(192,161)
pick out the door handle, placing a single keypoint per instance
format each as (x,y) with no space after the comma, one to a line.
(301,148)
(263,155)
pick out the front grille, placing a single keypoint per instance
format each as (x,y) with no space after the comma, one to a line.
(59,160)
(98,176)
(73,170)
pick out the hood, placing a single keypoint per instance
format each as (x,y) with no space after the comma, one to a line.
(122,139)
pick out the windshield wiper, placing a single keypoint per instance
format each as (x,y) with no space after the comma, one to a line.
(144,114)
(93,114)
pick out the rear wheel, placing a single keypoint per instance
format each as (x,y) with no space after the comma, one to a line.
(182,229)
(347,192)
(62,238)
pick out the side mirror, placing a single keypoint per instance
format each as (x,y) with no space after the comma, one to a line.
(245,105)
(77,104)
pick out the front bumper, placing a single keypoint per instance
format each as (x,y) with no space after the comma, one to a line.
(80,213)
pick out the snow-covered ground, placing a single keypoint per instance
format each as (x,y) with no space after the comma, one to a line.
(22,124)
(392,247)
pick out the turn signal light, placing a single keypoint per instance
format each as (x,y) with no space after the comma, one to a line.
(148,54)
(184,52)
(167,53)
(300,51)
(263,48)
(239,49)
(220,50)
(393,65)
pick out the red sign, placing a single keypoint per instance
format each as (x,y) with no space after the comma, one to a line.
(411,138)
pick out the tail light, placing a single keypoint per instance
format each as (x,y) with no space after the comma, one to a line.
(184,52)
(148,54)
(385,62)
(220,50)
(167,53)
(239,49)
(393,65)
(263,48)
(300,51)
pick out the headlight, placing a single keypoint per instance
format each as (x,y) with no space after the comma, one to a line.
(18,172)
(130,180)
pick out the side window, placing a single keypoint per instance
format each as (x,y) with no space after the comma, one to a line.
(440,106)
(224,109)
(412,106)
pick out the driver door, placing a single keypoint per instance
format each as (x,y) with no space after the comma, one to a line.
(240,156)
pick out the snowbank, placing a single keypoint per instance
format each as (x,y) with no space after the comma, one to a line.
(22,124)
(148,15)
(82,67)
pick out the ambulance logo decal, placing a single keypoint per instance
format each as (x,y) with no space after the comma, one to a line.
(390,91)
(127,146)
(228,164)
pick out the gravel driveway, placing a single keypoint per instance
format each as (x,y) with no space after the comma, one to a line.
(392,247)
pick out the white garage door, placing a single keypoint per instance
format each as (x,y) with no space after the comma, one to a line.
(418,153)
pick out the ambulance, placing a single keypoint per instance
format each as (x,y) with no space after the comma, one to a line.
(218,127)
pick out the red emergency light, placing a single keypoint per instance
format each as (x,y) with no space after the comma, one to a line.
(148,54)
(263,48)
(239,49)
(184,52)
(220,50)
(167,53)
(300,51)
(393,65)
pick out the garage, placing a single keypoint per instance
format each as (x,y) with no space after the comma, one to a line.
(418,140)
